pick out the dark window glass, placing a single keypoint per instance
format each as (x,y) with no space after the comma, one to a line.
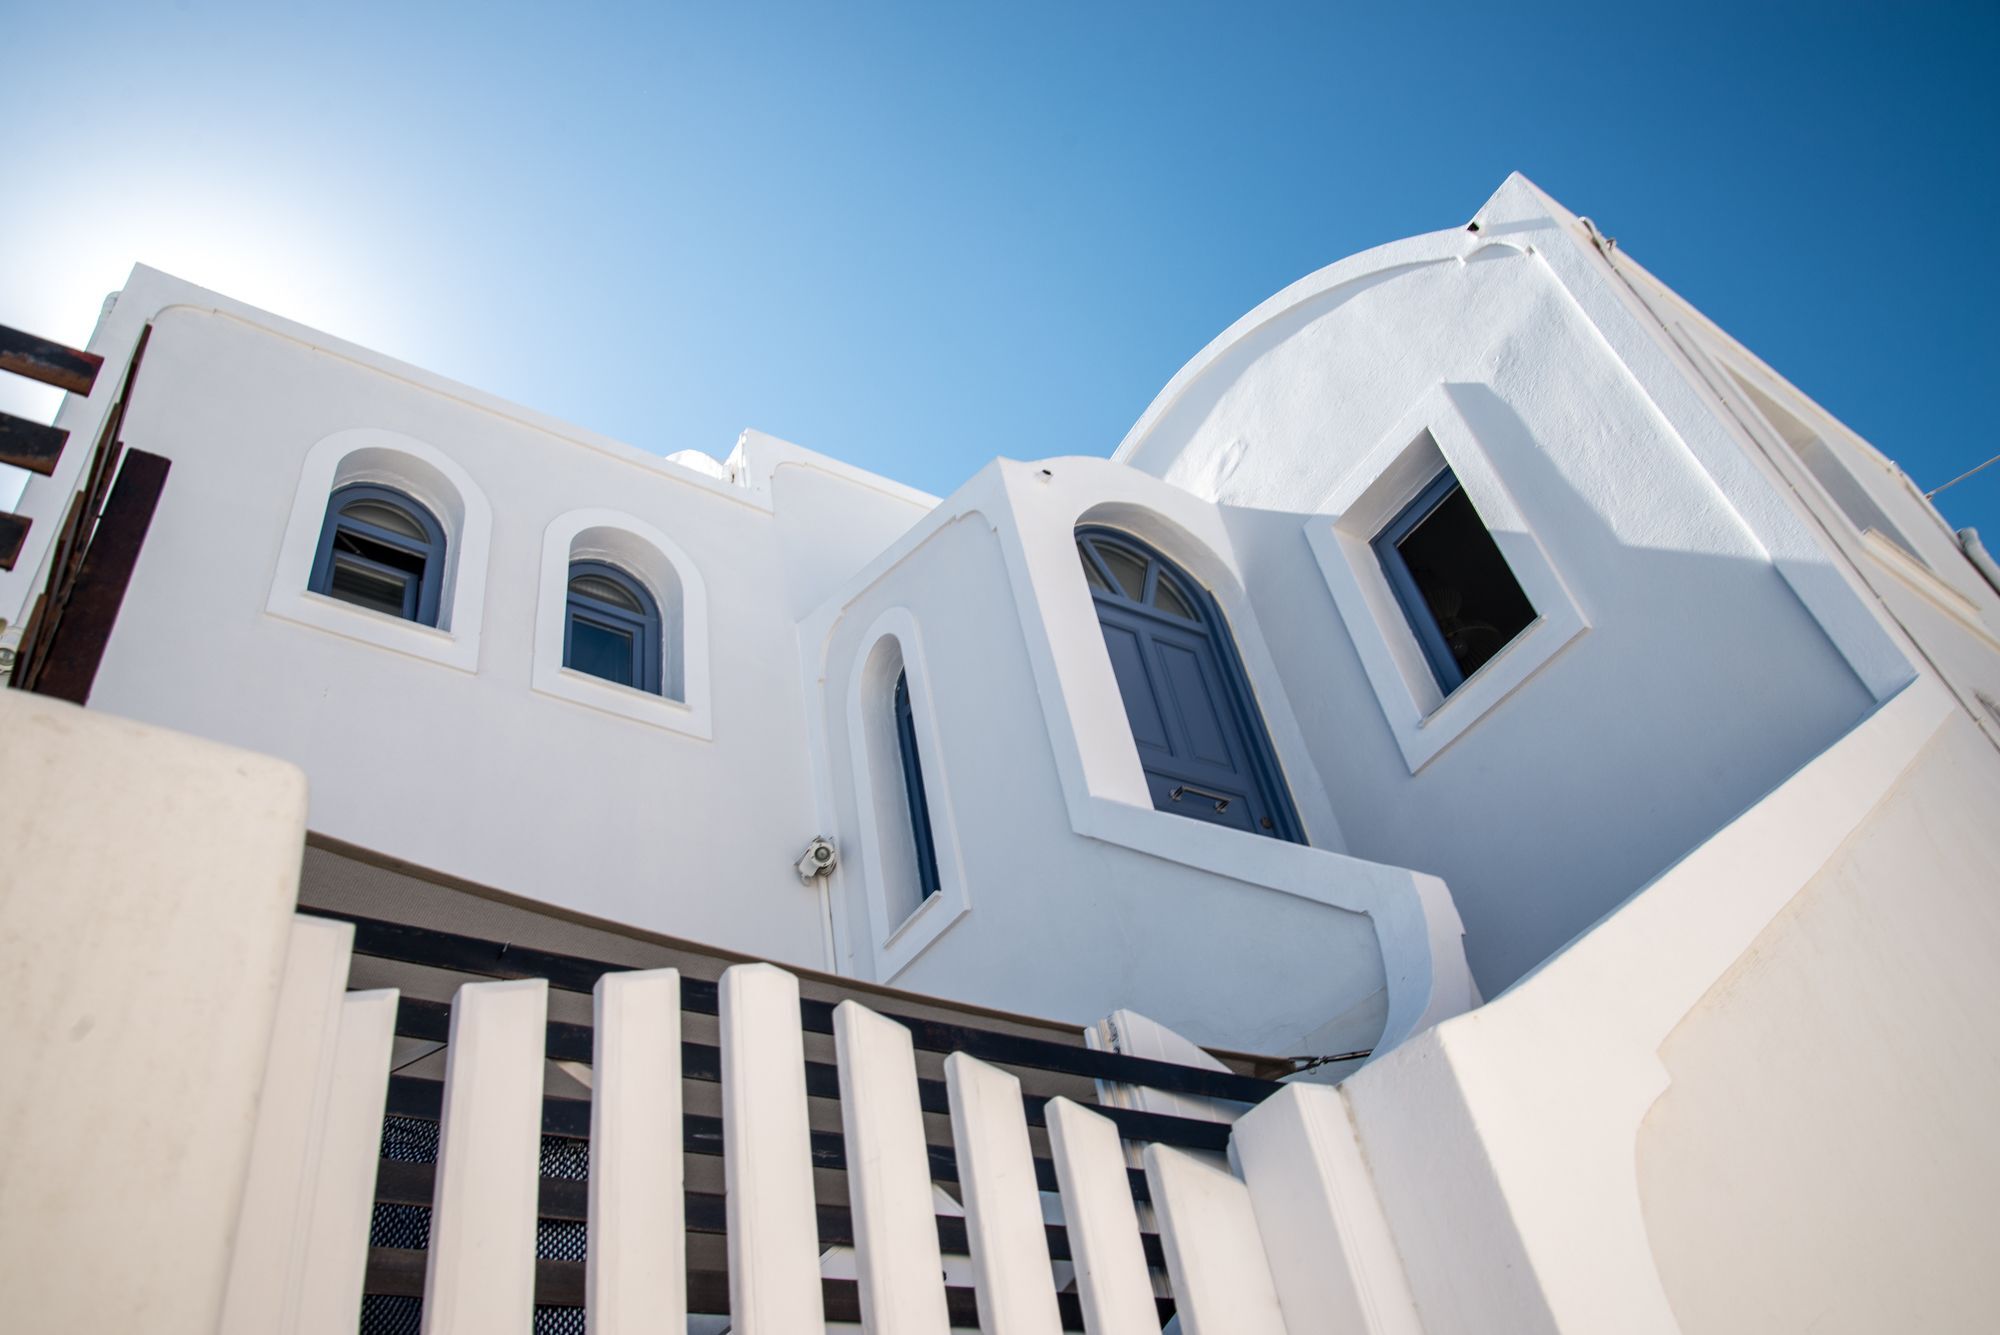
(913,788)
(1462,600)
(612,627)
(380,550)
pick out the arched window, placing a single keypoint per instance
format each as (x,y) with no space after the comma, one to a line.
(1201,739)
(380,550)
(928,881)
(611,628)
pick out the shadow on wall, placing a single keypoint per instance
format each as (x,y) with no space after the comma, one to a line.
(1701,684)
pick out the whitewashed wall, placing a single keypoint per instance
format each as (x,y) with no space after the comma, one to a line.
(1836,1085)
(472,771)
(1703,677)
(1063,892)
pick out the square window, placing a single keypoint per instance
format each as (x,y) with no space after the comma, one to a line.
(1454,586)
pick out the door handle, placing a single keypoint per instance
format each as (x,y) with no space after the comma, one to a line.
(1183,789)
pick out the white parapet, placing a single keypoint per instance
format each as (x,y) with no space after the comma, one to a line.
(298,1077)
(774,1284)
(1003,1204)
(1332,1256)
(1215,1254)
(636,1257)
(343,1183)
(899,1265)
(147,882)
(480,1275)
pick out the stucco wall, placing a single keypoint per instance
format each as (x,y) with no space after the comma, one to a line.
(1823,1158)
(1057,922)
(474,772)
(1702,679)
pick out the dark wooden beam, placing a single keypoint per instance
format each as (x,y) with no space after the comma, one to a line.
(30,445)
(13,532)
(51,363)
(76,646)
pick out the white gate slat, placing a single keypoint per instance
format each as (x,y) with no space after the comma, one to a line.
(270,1232)
(635,1262)
(479,1278)
(1215,1255)
(327,1300)
(767,1156)
(1111,1276)
(1333,1258)
(900,1270)
(1003,1204)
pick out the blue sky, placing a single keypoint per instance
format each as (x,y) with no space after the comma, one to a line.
(918,236)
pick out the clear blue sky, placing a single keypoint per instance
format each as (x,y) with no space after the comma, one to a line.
(919,236)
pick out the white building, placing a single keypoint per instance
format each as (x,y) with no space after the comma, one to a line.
(1471,611)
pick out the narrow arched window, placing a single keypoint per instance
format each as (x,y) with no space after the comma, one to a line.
(612,627)
(913,787)
(380,550)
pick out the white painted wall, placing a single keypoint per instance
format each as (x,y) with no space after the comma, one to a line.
(146,893)
(1834,1086)
(1702,679)
(469,770)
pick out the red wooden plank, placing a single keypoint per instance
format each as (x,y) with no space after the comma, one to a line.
(30,445)
(51,363)
(76,647)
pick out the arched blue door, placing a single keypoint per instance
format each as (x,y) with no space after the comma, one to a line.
(1201,740)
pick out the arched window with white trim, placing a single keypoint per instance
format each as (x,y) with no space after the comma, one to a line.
(381,550)
(611,627)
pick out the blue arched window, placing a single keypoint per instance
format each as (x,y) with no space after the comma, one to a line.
(1200,736)
(612,627)
(380,550)
(913,787)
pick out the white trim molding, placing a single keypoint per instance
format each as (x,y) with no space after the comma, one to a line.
(1433,436)
(670,575)
(892,646)
(425,474)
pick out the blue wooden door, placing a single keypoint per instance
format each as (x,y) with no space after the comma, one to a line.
(1201,740)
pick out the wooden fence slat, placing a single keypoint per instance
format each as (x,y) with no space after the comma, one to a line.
(34,446)
(67,368)
(298,1073)
(900,1269)
(13,533)
(1215,1255)
(1102,1223)
(774,1286)
(1003,1204)
(1331,1253)
(636,1252)
(343,1189)
(480,1274)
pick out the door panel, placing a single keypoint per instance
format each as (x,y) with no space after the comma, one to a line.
(1195,724)
(1128,664)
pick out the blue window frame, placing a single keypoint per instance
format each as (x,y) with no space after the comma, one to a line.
(1455,588)
(913,788)
(612,627)
(380,550)
(1201,739)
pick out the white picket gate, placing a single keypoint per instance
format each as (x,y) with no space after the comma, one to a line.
(302,1247)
